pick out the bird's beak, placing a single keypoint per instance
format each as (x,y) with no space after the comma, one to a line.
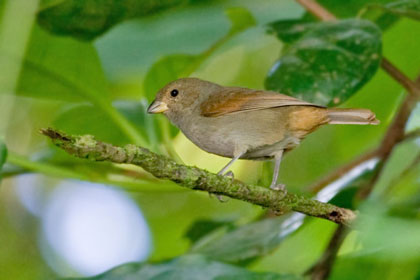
(157,107)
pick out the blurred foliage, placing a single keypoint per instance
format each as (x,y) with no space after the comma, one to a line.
(89,19)
(3,155)
(93,66)
(52,70)
(173,67)
(190,267)
(242,243)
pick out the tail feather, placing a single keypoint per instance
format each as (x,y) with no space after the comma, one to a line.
(352,116)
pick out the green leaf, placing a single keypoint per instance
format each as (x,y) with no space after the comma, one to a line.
(201,228)
(245,242)
(189,267)
(240,18)
(87,119)
(407,8)
(65,69)
(3,155)
(61,69)
(328,62)
(176,66)
(165,70)
(291,30)
(87,19)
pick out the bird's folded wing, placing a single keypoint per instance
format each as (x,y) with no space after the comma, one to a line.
(233,100)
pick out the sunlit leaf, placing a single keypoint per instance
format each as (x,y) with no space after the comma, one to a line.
(240,19)
(189,267)
(176,66)
(86,119)
(61,69)
(328,62)
(87,19)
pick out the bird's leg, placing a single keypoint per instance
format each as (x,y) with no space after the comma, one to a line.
(274,185)
(229,173)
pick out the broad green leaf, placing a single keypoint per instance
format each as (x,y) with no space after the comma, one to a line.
(245,242)
(65,69)
(176,66)
(61,69)
(407,8)
(165,70)
(87,119)
(87,19)
(201,228)
(3,155)
(189,267)
(289,31)
(329,62)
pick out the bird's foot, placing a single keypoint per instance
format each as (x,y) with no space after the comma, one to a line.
(279,188)
(227,174)
(230,174)
(219,197)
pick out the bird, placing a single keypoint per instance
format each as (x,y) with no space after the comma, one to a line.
(243,123)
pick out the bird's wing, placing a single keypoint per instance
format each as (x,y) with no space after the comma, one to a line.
(234,100)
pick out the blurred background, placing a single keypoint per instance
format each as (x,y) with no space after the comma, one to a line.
(92,67)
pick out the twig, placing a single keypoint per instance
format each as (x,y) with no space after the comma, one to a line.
(393,136)
(322,269)
(317,10)
(197,179)
(412,135)
(400,77)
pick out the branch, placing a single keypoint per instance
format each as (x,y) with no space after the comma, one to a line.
(393,136)
(197,179)
(322,269)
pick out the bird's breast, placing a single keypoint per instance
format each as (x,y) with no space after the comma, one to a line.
(246,131)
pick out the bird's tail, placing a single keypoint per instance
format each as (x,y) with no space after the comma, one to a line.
(352,116)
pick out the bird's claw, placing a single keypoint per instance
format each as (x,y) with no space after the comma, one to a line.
(230,174)
(219,197)
(279,188)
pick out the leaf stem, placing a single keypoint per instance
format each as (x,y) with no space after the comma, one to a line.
(44,168)
(60,172)
(125,125)
(317,10)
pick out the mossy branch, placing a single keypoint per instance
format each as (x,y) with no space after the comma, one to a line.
(87,147)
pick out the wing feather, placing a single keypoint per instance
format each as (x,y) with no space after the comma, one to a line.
(233,100)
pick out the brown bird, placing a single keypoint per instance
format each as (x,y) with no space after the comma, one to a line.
(245,123)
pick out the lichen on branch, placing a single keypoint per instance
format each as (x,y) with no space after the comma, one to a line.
(86,146)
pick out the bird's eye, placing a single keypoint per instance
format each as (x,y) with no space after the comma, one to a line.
(174,92)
